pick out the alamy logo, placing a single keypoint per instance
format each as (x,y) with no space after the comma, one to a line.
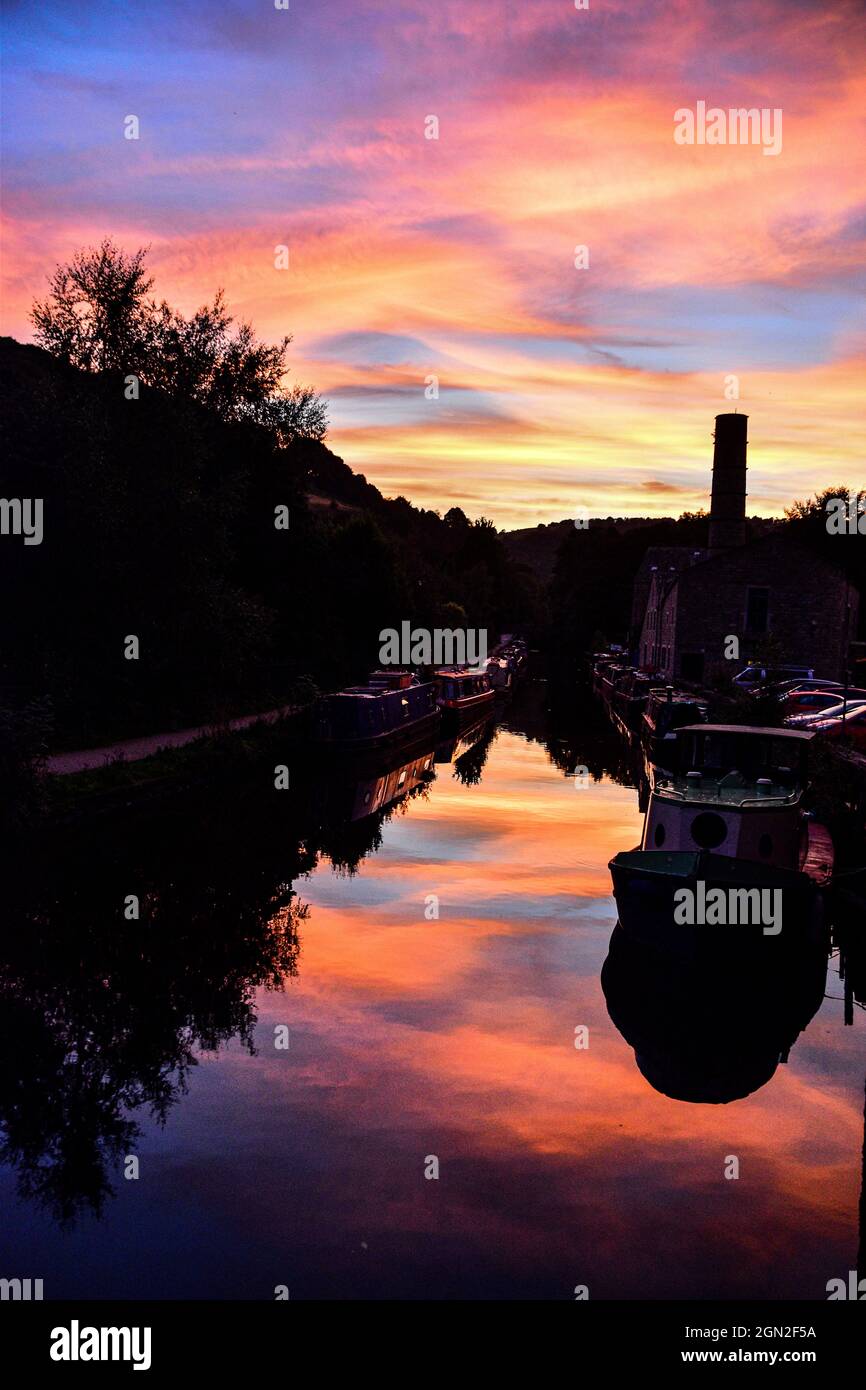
(855,1290)
(22,516)
(846,518)
(441,647)
(736,126)
(21,1290)
(729,907)
(76,1343)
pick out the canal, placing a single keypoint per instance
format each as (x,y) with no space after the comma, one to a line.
(356,1055)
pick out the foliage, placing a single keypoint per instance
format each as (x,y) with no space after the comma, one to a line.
(159,522)
(98,317)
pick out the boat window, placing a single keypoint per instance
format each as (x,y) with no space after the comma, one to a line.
(708,830)
(722,754)
(659,836)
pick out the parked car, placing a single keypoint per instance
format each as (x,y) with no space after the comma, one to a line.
(779,689)
(754,676)
(810,721)
(853,727)
(813,701)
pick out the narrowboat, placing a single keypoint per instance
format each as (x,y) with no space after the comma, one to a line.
(500,674)
(461,691)
(666,711)
(610,674)
(729,815)
(630,696)
(507,664)
(601,661)
(391,707)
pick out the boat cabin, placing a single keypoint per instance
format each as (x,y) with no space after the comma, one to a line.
(458,688)
(389,705)
(668,709)
(735,790)
(735,758)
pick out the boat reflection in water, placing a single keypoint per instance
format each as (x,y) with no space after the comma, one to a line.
(467,751)
(102,1024)
(357,790)
(370,783)
(703,1028)
(712,1001)
(263,909)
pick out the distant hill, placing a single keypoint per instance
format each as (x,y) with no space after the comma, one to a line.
(536,547)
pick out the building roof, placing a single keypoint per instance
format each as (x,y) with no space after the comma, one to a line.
(773,540)
(663,558)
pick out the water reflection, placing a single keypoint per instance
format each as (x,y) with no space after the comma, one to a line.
(104,1014)
(704,1029)
(409,1036)
(103,1017)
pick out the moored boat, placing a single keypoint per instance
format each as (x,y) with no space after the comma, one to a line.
(666,711)
(630,696)
(610,674)
(391,707)
(507,664)
(462,692)
(727,824)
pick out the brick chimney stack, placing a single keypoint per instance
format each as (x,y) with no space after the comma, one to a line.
(728,505)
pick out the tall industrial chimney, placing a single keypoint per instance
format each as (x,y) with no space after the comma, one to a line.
(728,506)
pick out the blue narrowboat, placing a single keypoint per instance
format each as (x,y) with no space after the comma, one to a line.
(392,706)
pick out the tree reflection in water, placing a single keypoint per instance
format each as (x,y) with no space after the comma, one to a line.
(102,1016)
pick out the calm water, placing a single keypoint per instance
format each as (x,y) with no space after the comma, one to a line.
(409,1037)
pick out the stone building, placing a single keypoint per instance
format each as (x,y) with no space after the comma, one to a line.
(773,594)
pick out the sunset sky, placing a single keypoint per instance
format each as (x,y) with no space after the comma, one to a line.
(559,388)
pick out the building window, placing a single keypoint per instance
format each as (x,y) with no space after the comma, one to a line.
(757,609)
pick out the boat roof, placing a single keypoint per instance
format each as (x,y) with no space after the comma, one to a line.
(804,735)
(686,793)
(683,696)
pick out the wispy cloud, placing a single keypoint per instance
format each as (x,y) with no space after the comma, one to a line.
(455,257)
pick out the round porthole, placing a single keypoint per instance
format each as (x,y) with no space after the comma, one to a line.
(765,846)
(659,836)
(708,830)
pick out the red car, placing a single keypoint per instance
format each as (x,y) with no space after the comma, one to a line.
(812,718)
(853,727)
(810,701)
